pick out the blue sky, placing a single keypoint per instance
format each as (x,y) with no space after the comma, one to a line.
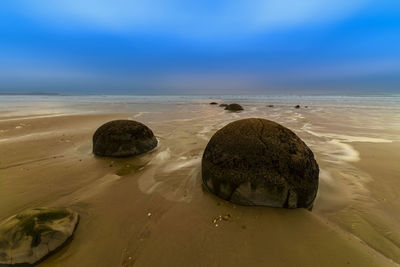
(200,47)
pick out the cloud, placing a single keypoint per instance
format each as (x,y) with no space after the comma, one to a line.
(281,13)
(191,18)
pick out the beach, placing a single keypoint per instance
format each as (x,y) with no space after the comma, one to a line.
(151,210)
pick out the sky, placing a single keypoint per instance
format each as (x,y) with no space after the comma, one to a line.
(200,47)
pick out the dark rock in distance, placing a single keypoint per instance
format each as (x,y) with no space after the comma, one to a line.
(234,107)
(259,162)
(270,106)
(123,138)
(213,103)
(29,236)
(297,106)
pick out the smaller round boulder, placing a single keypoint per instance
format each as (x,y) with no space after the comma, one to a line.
(234,107)
(29,236)
(297,106)
(123,138)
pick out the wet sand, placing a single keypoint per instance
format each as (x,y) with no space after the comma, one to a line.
(151,210)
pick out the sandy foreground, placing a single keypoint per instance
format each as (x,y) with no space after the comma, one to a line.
(151,210)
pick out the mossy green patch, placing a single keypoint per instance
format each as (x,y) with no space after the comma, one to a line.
(52,215)
(3,243)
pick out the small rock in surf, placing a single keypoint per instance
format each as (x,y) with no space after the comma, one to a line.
(234,107)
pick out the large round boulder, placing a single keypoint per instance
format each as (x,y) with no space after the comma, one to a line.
(123,138)
(32,234)
(260,162)
(234,107)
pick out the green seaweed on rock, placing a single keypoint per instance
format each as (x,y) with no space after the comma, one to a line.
(32,225)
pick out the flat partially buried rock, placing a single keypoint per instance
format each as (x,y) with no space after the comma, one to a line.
(123,138)
(259,162)
(29,236)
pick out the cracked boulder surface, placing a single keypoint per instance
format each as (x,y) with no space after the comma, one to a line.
(260,162)
(123,138)
(27,237)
